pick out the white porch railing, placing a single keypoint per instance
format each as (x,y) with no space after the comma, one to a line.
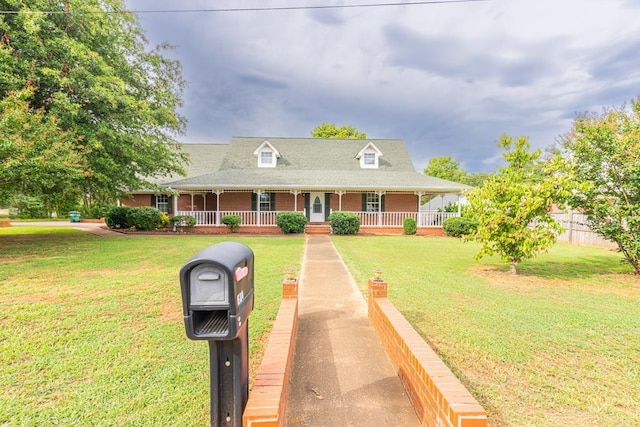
(247,217)
(396,219)
(434,218)
(367,219)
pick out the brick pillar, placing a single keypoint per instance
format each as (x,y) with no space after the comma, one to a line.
(290,288)
(377,288)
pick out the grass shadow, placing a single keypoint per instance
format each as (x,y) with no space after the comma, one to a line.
(579,268)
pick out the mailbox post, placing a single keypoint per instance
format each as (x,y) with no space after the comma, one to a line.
(217,298)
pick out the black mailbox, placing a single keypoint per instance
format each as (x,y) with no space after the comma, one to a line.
(217,298)
(217,291)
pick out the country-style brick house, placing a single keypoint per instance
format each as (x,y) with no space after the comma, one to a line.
(256,177)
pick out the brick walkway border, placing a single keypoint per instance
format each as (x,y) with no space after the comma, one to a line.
(268,398)
(438,397)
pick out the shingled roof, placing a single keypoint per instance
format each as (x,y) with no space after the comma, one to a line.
(305,164)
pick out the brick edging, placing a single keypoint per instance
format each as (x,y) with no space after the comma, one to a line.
(268,398)
(438,397)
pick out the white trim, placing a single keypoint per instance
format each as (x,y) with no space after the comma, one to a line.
(267,147)
(370,148)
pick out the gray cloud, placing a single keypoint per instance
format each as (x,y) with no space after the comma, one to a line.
(448,79)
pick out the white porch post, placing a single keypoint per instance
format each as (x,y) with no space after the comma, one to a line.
(419,221)
(295,199)
(380,194)
(204,201)
(192,202)
(459,207)
(218,193)
(442,202)
(340,193)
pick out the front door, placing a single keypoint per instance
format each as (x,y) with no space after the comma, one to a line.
(316,207)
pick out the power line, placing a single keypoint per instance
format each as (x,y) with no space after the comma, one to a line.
(250,9)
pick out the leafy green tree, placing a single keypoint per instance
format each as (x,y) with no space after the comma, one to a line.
(603,154)
(445,167)
(330,130)
(512,207)
(476,179)
(37,158)
(94,78)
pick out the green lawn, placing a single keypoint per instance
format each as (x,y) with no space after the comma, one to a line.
(558,344)
(91,329)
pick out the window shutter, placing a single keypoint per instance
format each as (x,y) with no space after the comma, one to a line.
(272,202)
(382,203)
(307,205)
(170,207)
(254,201)
(327,206)
(364,202)
(153,201)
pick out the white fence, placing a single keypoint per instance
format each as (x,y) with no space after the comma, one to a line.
(577,230)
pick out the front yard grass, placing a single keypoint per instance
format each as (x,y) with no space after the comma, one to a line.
(559,344)
(91,328)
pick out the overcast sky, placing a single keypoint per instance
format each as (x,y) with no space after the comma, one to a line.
(448,79)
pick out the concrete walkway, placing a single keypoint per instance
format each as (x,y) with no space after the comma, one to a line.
(95,228)
(341,374)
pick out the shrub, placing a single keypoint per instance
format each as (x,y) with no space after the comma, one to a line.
(344,222)
(186,221)
(93,211)
(291,222)
(232,221)
(458,227)
(409,226)
(117,217)
(145,218)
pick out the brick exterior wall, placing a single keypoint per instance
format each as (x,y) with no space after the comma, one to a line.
(286,202)
(400,202)
(235,201)
(242,201)
(437,395)
(137,200)
(393,202)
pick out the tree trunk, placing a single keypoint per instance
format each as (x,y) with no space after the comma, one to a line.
(512,269)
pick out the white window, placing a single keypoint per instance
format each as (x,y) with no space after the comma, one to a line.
(265,202)
(266,158)
(369,159)
(162,203)
(372,202)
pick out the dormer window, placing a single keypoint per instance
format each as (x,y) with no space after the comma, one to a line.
(369,156)
(369,159)
(266,158)
(267,155)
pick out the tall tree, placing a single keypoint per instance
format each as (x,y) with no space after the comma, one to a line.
(330,130)
(91,70)
(603,153)
(445,168)
(38,158)
(512,207)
